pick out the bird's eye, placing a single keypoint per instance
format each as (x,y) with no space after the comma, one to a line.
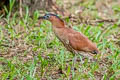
(48,16)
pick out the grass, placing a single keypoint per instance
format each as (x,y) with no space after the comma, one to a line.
(30,51)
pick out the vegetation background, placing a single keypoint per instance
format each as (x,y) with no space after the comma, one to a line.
(29,49)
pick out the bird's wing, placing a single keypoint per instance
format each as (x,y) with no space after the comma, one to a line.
(78,41)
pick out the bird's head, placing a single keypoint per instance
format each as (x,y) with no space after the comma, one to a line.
(53,18)
(49,17)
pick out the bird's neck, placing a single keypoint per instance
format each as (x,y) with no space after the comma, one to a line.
(58,24)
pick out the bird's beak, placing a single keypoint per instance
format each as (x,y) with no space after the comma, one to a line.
(41,17)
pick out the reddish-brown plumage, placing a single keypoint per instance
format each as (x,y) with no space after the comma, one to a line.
(74,41)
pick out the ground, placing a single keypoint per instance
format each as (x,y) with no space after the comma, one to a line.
(29,49)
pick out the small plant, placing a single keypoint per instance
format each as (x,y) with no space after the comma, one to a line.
(9,11)
(43,65)
(29,50)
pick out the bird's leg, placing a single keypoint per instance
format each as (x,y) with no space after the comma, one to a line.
(73,64)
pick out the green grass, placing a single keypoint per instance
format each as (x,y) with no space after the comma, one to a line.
(31,51)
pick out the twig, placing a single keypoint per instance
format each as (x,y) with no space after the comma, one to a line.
(20,5)
(34,72)
(107,20)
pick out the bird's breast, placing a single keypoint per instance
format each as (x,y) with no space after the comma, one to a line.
(62,35)
(60,32)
